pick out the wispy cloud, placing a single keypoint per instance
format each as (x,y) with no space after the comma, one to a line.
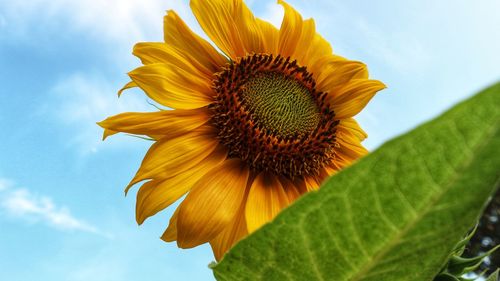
(4,184)
(20,203)
(112,19)
(80,100)
(401,51)
(273,13)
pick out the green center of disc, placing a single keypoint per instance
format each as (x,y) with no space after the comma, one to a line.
(280,104)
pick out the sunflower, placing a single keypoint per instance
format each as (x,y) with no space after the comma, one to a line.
(249,128)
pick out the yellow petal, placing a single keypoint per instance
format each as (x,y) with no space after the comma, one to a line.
(329,171)
(300,185)
(306,38)
(230,25)
(129,85)
(168,123)
(299,40)
(353,97)
(212,204)
(107,132)
(157,195)
(156,52)
(324,174)
(233,233)
(290,31)
(319,48)
(169,157)
(217,22)
(334,72)
(195,48)
(172,86)
(290,188)
(350,127)
(270,35)
(247,26)
(265,200)
(350,149)
(170,233)
(311,183)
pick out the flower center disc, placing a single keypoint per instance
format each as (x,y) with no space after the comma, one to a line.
(280,104)
(268,113)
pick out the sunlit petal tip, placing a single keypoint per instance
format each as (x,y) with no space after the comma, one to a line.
(108,133)
(376,85)
(290,9)
(102,125)
(349,100)
(283,3)
(129,85)
(144,191)
(129,186)
(170,233)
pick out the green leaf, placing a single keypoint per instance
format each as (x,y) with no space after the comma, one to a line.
(493,276)
(460,247)
(395,215)
(446,277)
(461,265)
(457,266)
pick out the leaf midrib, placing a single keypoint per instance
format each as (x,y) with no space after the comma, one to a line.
(397,238)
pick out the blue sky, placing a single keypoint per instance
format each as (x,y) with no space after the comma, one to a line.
(63,215)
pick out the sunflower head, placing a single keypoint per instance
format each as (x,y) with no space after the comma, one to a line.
(282,123)
(247,128)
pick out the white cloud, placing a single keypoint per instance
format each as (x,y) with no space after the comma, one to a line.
(110,19)
(356,35)
(79,100)
(123,257)
(22,204)
(4,184)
